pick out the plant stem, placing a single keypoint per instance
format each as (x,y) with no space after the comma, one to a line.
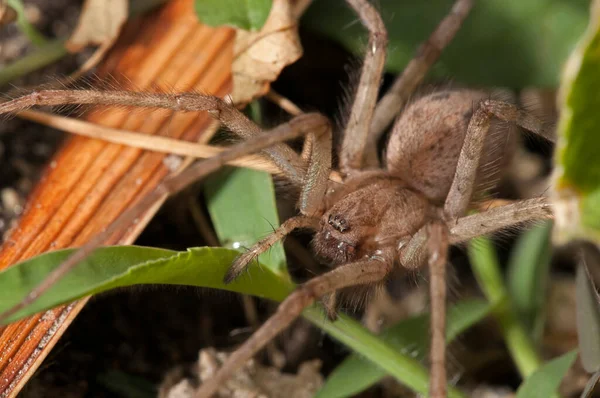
(48,53)
(487,271)
(405,369)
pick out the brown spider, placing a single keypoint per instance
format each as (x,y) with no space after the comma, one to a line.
(375,218)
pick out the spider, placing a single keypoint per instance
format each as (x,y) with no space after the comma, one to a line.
(374,218)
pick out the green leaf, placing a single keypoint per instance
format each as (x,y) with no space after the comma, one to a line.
(243,209)
(120,266)
(111,267)
(588,319)
(407,370)
(544,382)
(511,43)
(357,373)
(243,14)
(576,181)
(528,277)
(241,203)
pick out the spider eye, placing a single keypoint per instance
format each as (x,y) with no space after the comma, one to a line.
(338,223)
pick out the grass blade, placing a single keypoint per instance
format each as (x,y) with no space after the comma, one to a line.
(357,373)
(588,320)
(528,276)
(487,271)
(544,382)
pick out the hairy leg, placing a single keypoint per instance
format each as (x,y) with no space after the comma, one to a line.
(244,259)
(318,152)
(413,254)
(412,75)
(358,273)
(282,155)
(438,257)
(461,191)
(500,217)
(299,126)
(357,129)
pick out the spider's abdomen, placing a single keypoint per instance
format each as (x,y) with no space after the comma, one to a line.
(368,219)
(426,140)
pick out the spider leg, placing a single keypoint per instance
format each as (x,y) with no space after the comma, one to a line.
(438,257)
(461,190)
(282,155)
(330,303)
(318,151)
(500,217)
(412,75)
(361,113)
(357,273)
(298,126)
(431,243)
(483,223)
(455,206)
(244,259)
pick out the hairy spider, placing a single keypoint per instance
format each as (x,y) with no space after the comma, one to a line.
(374,219)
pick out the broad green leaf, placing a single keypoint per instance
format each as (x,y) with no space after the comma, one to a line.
(241,203)
(512,43)
(118,266)
(544,382)
(243,14)
(588,320)
(576,181)
(357,373)
(528,276)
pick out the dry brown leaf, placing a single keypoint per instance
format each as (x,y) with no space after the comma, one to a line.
(99,24)
(260,56)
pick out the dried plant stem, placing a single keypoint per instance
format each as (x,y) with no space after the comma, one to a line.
(151,142)
(144,141)
(283,102)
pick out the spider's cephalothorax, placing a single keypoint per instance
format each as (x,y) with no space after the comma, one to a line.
(379,210)
(360,222)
